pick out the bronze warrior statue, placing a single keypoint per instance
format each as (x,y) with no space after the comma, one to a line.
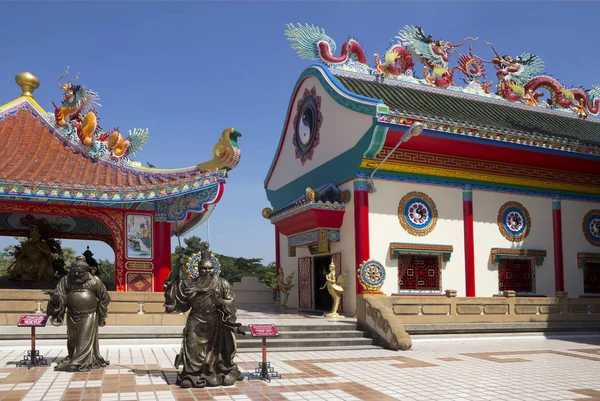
(84,298)
(209,336)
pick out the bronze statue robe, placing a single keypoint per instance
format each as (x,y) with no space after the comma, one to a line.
(86,308)
(209,336)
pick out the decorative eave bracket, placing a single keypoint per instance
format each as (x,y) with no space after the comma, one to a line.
(397,248)
(583,258)
(317,241)
(504,253)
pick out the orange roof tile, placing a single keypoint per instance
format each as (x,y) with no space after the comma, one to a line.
(37,160)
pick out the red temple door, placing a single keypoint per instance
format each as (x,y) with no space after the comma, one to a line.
(305,283)
(336,258)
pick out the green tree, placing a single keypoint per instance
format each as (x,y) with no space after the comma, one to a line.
(232,268)
(68,255)
(6,259)
(193,245)
(107,273)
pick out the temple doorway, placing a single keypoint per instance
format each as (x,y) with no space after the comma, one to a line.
(323,301)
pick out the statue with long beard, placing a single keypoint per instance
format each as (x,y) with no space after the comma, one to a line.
(209,336)
(84,299)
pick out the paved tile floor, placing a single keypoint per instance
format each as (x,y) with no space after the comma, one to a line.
(474,368)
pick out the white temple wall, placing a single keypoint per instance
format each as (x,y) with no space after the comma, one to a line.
(289,265)
(384,228)
(340,131)
(574,241)
(487,235)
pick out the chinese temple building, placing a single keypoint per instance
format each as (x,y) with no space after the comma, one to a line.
(480,177)
(60,168)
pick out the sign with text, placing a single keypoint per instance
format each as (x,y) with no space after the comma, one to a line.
(263,330)
(32,321)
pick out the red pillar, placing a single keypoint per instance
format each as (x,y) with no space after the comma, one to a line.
(361,226)
(162,254)
(277,262)
(469,242)
(559,278)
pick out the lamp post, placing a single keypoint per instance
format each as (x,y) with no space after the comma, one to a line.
(415,130)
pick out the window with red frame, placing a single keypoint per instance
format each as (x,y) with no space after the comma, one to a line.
(517,275)
(419,273)
(591,278)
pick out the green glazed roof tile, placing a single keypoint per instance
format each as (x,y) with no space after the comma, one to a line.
(451,109)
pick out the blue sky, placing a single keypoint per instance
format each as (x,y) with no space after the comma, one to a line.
(187,70)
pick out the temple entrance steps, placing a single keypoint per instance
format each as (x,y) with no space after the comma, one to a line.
(299,330)
(342,336)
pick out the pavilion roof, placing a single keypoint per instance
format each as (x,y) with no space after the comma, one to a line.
(39,161)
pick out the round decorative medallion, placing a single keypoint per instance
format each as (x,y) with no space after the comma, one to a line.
(514,222)
(372,275)
(307,124)
(591,227)
(417,213)
(194,260)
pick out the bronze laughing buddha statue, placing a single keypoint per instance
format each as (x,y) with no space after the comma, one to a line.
(85,300)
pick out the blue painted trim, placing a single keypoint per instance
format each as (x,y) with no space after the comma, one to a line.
(337,170)
(491,187)
(492,142)
(332,86)
(339,86)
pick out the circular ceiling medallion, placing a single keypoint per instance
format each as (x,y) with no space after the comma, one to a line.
(591,227)
(417,213)
(514,222)
(194,260)
(307,124)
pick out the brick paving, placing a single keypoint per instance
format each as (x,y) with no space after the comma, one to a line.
(472,368)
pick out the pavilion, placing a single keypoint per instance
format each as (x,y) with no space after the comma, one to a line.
(61,168)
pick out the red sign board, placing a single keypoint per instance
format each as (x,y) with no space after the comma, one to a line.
(32,321)
(263,330)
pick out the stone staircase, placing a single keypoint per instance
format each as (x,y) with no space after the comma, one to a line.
(342,336)
(295,336)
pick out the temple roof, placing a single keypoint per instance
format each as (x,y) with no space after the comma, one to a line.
(446,108)
(38,160)
(501,97)
(327,196)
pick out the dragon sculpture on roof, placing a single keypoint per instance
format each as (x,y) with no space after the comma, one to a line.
(312,43)
(519,79)
(434,54)
(77,119)
(411,44)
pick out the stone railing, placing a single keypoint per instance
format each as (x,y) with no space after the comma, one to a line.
(250,292)
(374,313)
(501,309)
(125,308)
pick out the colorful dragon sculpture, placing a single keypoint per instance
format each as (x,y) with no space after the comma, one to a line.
(519,78)
(434,55)
(77,115)
(312,43)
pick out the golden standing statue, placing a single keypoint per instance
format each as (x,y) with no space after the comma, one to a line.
(335,288)
(285,286)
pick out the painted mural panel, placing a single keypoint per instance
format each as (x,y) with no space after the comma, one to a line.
(139,236)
